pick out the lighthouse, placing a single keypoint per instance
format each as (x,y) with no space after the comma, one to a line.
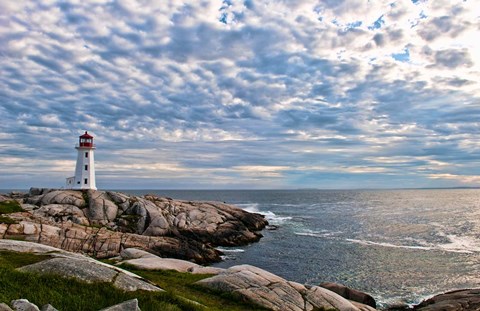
(85,169)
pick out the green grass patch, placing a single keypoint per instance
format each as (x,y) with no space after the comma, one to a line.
(14,260)
(70,294)
(7,220)
(8,207)
(183,285)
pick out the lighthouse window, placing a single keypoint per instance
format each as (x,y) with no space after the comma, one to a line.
(86,167)
(86,154)
(86,181)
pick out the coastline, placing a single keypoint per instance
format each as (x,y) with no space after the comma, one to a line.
(248,247)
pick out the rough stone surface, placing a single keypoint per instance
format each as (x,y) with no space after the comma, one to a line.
(144,260)
(61,213)
(26,247)
(69,197)
(461,300)
(48,307)
(129,305)
(78,266)
(101,210)
(135,253)
(206,270)
(72,267)
(351,294)
(131,284)
(274,292)
(362,307)
(157,263)
(24,305)
(89,271)
(70,220)
(4,306)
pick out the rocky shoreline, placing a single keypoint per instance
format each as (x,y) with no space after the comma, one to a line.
(102,223)
(155,233)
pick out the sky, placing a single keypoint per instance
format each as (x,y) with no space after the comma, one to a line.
(241,94)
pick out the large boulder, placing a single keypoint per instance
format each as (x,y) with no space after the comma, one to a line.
(351,294)
(129,305)
(144,260)
(460,300)
(210,222)
(74,265)
(24,305)
(70,197)
(275,293)
(101,209)
(5,307)
(61,213)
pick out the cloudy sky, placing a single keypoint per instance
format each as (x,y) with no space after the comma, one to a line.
(242,93)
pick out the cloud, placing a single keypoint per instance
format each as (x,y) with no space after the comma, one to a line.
(452,58)
(239,94)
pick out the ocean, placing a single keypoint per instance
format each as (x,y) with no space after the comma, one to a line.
(401,246)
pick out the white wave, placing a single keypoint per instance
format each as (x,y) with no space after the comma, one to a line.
(371,243)
(426,248)
(272,218)
(230,250)
(318,234)
(249,207)
(461,244)
(226,257)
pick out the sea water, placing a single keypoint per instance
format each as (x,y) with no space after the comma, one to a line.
(400,246)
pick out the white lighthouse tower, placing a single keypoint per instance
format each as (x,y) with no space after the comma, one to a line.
(85,169)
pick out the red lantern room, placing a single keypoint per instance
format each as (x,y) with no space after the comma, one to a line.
(86,141)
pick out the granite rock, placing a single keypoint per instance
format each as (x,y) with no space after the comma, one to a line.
(460,300)
(188,230)
(129,305)
(273,292)
(350,294)
(4,306)
(24,305)
(146,261)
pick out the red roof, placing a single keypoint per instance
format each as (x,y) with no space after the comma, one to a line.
(86,135)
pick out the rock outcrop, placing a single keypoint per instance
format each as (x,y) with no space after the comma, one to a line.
(25,305)
(275,293)
(129,305)
(145,261)
(351,294)
(72,265)
(460,300)
(102,223)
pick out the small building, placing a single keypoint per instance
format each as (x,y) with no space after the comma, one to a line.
(85,169)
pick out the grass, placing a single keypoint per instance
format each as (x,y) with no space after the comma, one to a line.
(7,220)
(70,294)
(12,260)
(8,207)
(183,285)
